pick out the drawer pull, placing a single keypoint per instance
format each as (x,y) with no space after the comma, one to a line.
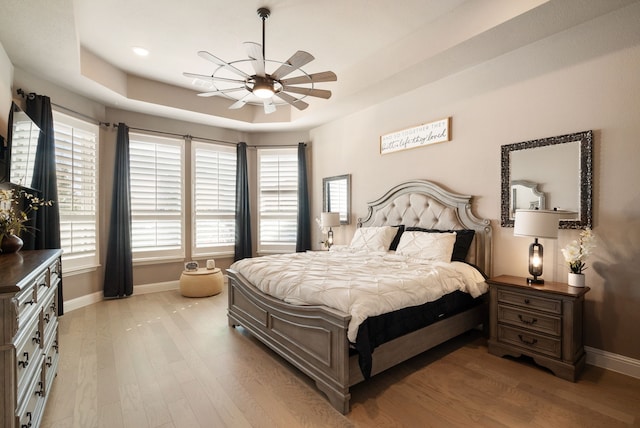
(28,424)
(42,284)
(527,342)
(53,307)
(47,318)
(532,321)
(48,363)
(24,363)
(527,301)
(55,345)
(36,338)
(30,302)
(40,392)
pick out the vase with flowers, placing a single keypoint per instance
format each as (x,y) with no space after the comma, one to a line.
(575,255)
(16,205)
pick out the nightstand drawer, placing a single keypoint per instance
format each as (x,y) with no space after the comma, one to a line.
(526,339)
(524,300)
(530,320)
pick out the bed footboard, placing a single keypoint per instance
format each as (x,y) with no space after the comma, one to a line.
(312,338)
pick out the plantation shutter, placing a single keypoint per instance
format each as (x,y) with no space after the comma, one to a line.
(278,199)
(214,193)
(76,150)
(156,167)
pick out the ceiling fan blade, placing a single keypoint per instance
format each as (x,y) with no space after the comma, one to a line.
(214,59)
(254,52)
(296,61)
(239,104)
(221,92)
(325,76)
(211,78)
(299,104)
(320,93)
(269,106)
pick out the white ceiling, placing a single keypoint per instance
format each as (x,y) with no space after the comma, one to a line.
(377,48)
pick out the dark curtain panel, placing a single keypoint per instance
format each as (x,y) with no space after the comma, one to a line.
(243,214)
(46,221)
(118,268)
(303,238)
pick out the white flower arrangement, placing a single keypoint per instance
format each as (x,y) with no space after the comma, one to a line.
(577,252)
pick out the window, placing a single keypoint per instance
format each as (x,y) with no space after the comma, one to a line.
(157,203)
(214,198)
(76,143)
(278,203)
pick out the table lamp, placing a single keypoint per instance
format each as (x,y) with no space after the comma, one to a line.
(536,224)
(329,220)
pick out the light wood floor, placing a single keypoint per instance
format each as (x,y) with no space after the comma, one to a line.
(162,360)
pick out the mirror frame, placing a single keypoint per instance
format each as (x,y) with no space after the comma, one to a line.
(325,194)
(586,176)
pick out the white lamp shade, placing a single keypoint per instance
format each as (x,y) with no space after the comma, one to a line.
(330,219)
(536,223)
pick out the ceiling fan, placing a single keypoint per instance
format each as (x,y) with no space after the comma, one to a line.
(265,85)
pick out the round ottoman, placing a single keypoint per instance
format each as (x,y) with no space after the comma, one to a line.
(201,283)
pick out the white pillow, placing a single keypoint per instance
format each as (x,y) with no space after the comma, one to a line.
(427,246)
(373,238)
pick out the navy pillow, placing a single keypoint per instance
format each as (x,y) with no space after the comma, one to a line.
(396,240)
(464,237)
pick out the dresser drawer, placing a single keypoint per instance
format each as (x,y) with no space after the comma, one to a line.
(526,339)
(529,320)
(26,303)
(553,306)
(51,358)
(28,353)
(30,409)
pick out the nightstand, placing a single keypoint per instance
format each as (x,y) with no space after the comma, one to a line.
(542,321)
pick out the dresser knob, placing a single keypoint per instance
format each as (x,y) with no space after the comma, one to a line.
(24,363)
(525,321)
(36,338)
(40,392)
(28,424)
(527,342)
(527,301)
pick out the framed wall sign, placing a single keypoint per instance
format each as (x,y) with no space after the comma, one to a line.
(418,136)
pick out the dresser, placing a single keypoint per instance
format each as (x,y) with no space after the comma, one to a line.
(28,334)
(542,321)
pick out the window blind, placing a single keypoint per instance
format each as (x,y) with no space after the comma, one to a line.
(278,200)
(214,198)
(24,142)
(156,171)
(76,148)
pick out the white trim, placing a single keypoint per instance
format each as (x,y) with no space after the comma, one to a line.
(614,362)
(89,299)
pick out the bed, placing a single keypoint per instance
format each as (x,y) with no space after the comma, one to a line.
(314,337)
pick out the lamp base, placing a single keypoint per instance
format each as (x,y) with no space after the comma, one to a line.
(535,280)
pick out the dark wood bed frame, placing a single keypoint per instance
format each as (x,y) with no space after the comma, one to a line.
(314,338)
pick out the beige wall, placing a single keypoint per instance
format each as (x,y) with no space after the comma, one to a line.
(585,78)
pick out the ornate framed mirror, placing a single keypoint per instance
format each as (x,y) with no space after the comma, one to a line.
(336,196)
(550,173)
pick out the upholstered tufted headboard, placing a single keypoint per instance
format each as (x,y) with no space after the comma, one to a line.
(422,203)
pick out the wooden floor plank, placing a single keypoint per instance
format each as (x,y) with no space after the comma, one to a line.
(163,360)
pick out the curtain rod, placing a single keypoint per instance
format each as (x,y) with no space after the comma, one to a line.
(23,94)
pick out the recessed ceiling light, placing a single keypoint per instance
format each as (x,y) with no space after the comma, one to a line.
(140,51)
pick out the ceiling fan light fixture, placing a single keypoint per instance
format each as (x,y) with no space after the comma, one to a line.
(262,88)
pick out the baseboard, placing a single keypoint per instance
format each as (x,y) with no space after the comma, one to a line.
(89,299)
(614,362)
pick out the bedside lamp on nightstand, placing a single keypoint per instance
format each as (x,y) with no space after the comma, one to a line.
(327,221)
(536,224)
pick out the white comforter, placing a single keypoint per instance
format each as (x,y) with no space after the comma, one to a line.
(362,284)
